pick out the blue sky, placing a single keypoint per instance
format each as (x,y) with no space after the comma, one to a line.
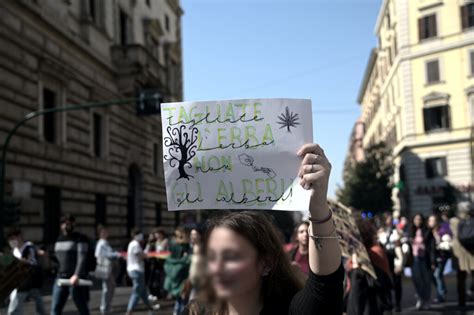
(315,49)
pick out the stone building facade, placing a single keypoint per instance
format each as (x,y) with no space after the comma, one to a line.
(102,165)
(417,95)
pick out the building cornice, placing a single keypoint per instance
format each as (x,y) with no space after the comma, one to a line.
(405,145)
(367,74)
(378,24)
(174,5)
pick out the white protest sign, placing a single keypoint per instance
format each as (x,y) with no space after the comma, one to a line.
(235,154)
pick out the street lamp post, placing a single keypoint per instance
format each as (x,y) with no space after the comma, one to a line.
(126,101)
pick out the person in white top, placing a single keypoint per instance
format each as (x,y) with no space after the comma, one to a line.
(104,255)
(136,271)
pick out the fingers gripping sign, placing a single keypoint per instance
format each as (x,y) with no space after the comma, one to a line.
(314,170)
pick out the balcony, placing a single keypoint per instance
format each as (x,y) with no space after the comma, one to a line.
(135,63)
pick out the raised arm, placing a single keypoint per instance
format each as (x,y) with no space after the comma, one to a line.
(324,250)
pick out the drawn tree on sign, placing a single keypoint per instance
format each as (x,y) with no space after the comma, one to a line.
(181,144)
(288,119)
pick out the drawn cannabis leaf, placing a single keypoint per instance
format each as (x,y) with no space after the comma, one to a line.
(288,119)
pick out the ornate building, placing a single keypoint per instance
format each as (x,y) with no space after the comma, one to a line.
(102,165)
(417,95)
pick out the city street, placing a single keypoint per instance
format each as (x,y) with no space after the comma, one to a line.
(122,294)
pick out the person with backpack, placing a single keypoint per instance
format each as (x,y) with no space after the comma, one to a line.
(73,251)
(462,228)
(30,289)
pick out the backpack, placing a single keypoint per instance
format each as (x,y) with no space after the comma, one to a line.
(466,234)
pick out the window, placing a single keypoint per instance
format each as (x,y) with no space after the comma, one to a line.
(388,20)
(93,11)
(167,22)
(154,48)
(51,214)
(49,120)
(432,72)
(97,135)
(436,167)
(100,209)
(124,25)
(427,27)
(467,16)
(158,214)
(436,118)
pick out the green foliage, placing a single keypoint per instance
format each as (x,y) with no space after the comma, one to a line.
(367,185)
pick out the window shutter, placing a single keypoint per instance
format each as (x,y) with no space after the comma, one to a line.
(421,28)
(464,17)
(433,27)
(432,71)
(444,166)
(426,119)
(448,117)
(471,59)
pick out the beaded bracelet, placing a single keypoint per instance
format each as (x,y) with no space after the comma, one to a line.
(317,238)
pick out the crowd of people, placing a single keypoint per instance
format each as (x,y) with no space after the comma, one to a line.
(241,265)
(420,248)
(175,274)
(424,246)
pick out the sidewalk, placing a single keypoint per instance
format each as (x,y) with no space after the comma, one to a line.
(119,305)
(123,293)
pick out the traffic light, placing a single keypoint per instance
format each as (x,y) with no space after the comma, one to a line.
(148,102)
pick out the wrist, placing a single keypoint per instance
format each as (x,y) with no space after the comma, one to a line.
(319,211)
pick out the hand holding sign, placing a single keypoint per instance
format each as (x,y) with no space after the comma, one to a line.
(314,174)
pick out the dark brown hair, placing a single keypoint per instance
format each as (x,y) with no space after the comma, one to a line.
(368,232)
(280,285)
(294,237)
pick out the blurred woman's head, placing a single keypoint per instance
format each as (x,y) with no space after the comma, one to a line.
(301,234)
(388,219)
(418,220)
(195,236)
(160,234)
(245,255)
(433,221)
(181,235)
(102,232)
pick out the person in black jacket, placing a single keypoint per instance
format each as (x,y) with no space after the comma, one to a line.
(71,251)
(249,272)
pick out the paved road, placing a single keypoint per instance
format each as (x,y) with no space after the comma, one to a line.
(123,293)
